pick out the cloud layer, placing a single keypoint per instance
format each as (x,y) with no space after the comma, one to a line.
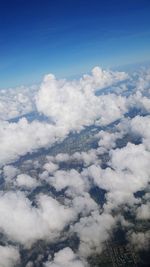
(70,175)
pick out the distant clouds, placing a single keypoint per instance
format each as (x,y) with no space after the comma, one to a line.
(15,102)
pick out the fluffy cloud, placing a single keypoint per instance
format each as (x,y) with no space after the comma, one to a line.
(129,173)
(84,204)
(65,258)
(9,256)
(141,126)
(24,180)
(25,224)
(143,212)
(9,172)
(72,179)
(15,102)
(60,100)
(50,167)
(93,231)
(17,139)
(139,101)
(108,140)
(140,240)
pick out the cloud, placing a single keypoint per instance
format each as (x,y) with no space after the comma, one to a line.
(60,100)
(86,158)
(128,174)
(93,231)
(23,137)
(140,240)
(143,212)
(9,256)
(141,127)
(50,167)
(72,179)
(10,172)
(24,180)
(84,204)
(139,101)
(15,102)
(65,258)
(23,223)
(108,140)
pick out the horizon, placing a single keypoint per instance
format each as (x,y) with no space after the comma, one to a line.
(69,38)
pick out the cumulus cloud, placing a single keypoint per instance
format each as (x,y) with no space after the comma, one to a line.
(60,99)
(140,240)
(23,137)
(143,212)
(9,256)
(25,224)
(93,231)
(65,258)
(141,126)
(139,101)
(10,172)
(108,140)
(24,180)
(84,204)
(72,179)
(50,167)
(15,102)
(129,173)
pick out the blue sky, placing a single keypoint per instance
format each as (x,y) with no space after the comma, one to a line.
(69,37)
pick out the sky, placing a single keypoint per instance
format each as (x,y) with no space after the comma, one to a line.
(69,37)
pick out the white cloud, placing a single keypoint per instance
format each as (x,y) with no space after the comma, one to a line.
(72,179)
(140,240)
(139,101)
(17,139)
(24,180)
(15,102)
(10,172)
(108,140)
(9,256)
(87,157)
(50,167)
(93,231)
(60,100)
(25,224)
(143,212)
(65,258)
(141,126)
(84,204)
(128,174)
